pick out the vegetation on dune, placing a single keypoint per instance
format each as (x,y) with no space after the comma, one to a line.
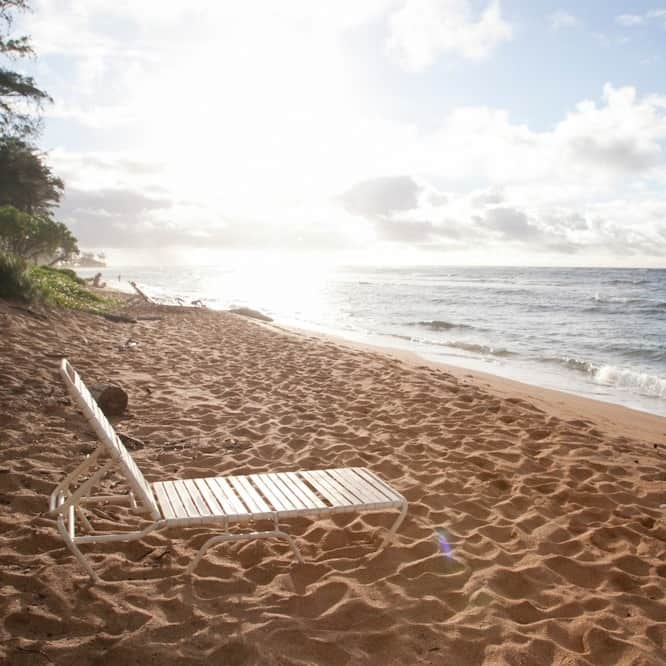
(52,286)
(64,288)
(15,281)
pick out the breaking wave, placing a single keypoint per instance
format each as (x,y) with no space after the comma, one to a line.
(642,383)
(486,350)
(571,363)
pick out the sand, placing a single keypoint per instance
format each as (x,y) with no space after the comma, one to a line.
(536,531)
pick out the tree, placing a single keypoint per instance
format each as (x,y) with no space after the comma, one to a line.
(16,89)
(26,182)
(35,237)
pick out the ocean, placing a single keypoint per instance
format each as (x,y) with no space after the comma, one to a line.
(596,332)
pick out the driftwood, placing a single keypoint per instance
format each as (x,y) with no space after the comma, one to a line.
(112,400)
(132,443)
(249,312)
(30,311)
(138,291)
(121,318)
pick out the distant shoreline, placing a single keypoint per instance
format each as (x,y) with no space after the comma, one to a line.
(619,419)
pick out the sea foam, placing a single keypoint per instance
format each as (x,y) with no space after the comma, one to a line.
(641,382)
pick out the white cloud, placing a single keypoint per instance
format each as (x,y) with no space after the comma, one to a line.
(381,196)
(598,143)
(624,136)
(502,186)
(424,29)
(630,20)
(561,19)
(659,14)
(477,181)
(633,20)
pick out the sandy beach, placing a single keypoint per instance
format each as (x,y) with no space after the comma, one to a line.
(536,531)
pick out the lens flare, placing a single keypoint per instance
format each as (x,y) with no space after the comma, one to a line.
(442,540)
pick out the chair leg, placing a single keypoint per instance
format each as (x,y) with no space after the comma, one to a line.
(84,519)
(242,537)
(77,553)
(396,525)
(294,547)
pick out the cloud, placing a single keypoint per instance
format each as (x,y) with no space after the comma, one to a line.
(126,219)
(405,231)
(95,116)
(561,19)
(113,217)
(476,183)
(624,136)
(593,147)
(633,20)
(112,164)
(381,196)
(110,203)
(630,20)
(657,14)
(279,151)
(488,196)
(123,46)
(422,30)
(510,224)
(527,223)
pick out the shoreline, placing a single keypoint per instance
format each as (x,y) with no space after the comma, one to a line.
(628,421)
(619,419)
(422,358)
(519,371)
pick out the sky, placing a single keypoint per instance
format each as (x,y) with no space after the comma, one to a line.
(374,131)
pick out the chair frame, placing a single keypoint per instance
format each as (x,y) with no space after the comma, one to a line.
(359,489)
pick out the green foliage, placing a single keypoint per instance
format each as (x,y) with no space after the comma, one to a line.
(16,89)
(44,284)
(57,287)
(15,280)
(34,236)
(64,271)
(26,182)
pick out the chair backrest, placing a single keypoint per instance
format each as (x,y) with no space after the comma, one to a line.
(116,449)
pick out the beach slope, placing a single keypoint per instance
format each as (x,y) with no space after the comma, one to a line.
(536,531)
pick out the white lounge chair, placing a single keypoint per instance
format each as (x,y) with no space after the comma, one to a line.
(218,501)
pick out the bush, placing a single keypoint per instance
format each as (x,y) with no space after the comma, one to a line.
(65,271)
(44,284)
(15,281)
(64,288)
